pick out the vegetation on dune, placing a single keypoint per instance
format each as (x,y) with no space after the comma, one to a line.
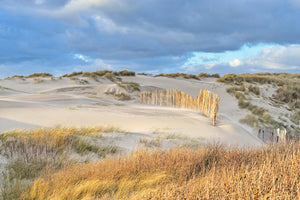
(122,96)
(126,73)
(38,80)
(189,76)
(212,172)
(288,92)
(278,79)
(175,75)
(205,75)
(42,74)
(101,73)
(73,74)
(34,75)
(129,86)
(145,74)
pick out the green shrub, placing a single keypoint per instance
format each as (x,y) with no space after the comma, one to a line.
(250,120)
(239,95)
(73,74)
(175,75)
(42,74)
(205,75)
(289,94)
(254,89)
(144,74)
(296,117)
(109,76)
(126,73)
(256,110)
(243,104)
(102,72)
(16,76)
(215,75)
(233,89)
(129,86)
(228,78)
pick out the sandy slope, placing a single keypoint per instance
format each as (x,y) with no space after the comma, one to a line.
(65,102)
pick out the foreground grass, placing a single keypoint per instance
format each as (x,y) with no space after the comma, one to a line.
(34,153)
(212,172)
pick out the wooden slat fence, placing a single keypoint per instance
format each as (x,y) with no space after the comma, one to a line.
(206,101)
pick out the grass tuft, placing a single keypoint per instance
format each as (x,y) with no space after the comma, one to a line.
(175,75)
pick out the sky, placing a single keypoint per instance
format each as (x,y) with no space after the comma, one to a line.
(152,36)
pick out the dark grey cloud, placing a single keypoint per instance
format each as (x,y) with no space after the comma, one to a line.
(137,32)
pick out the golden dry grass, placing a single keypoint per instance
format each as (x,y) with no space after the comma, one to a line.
(56,136)
(209,173)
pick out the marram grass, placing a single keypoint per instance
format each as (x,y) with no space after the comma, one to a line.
(57,136)
(209,173)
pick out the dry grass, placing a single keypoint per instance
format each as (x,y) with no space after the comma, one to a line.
(205,75)
(278,79)
(129,86)
(145,74)
(41,74)
(34,153)
(175,75)
(34,75)
(208,173)
(101,73)
(57,136)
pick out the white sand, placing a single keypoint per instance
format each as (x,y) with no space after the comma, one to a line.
(64,102)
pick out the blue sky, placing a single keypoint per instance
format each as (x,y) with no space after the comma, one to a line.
(154,36)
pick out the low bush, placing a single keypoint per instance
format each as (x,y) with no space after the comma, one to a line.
(144,74)
(129,86)
(243,104)
(205,75)
(254,89)
(230,78)
(73,74)
(126,73)
(42,74)
(239,95)
(289,94)
(122,96)
(175,75)
(250,120)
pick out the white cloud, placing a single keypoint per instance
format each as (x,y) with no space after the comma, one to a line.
(73,10)
(81,57)
(210,65)
(235,63)
(277,57)
(107,25)
(77,6)
(94,65)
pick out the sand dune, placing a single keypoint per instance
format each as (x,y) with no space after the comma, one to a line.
(63,102)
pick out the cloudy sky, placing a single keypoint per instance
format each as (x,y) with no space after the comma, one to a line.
(154,36)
